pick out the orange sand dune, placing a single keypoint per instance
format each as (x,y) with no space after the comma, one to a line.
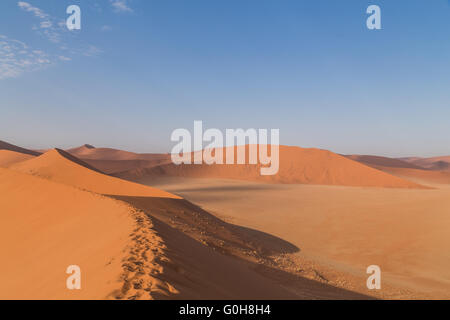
(435,163)
(116,166)
(405,232)
(91,153)
(45,227)
(297,166)
(11,147)
(8,158)
(428,177)
(373,161)
(59,225)
(59,166)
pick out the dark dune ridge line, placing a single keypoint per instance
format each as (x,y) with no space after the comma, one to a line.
(7,146)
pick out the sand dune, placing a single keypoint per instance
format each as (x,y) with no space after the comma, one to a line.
(45,227)
(88,152)
(374,161)
(140,242)
(59,166)
(435,163)
(207,258)
(405,232)
(8,158)
(297,166)
(127,252)
(424,177)
(11,147)
(117,166)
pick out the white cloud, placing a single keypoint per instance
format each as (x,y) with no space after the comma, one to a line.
(47,24)
(17,58)
(106,28)
(36,11)
(63,58)
(121,6)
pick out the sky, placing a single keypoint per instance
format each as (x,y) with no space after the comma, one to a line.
(139,69)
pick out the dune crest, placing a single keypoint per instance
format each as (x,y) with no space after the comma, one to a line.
(297,166)
(50,226)
(59,166)
(374,161)
(7,146)
(89,152)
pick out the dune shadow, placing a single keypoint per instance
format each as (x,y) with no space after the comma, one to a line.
(207,228)
(200,272)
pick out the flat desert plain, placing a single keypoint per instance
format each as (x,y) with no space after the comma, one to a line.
(141,228)
(342,230)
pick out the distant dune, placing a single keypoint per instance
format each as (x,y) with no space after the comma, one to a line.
(8,158)
(116,166)
(11,147)
(140,242)
(59,166)
(424,177)
(88,152)
(122,247)
(435,163)
(297,166)
(374,161)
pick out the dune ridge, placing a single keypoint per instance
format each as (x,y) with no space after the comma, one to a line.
(7,146)
(297,166)
(49,226)
(89,152)
(59,166)
(156,260)
(374,161)
(435,163)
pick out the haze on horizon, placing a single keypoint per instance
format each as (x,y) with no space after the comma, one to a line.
(137,70)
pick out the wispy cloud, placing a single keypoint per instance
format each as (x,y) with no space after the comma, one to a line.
(16,58)
(106,28)
(48,26)
(121,5)
(36,11)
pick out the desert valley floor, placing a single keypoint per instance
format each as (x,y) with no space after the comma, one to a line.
(142,228)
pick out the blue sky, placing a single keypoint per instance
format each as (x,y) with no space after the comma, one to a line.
(138,69)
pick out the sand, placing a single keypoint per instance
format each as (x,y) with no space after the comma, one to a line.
(241,238)
(7,146)
(375,161)
(59,166)
(45,227)
(297,166)
(8,158)
(424,177)
(434,163)
(126,244)
(89,152)
(405,232)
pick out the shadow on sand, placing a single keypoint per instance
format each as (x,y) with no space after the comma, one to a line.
(208,258)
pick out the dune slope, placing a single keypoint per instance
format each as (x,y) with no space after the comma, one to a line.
(88,152)
(7,146)
(46,227)
(8,158)
(374,161)
(435,163)
(59,166)
(297,166)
